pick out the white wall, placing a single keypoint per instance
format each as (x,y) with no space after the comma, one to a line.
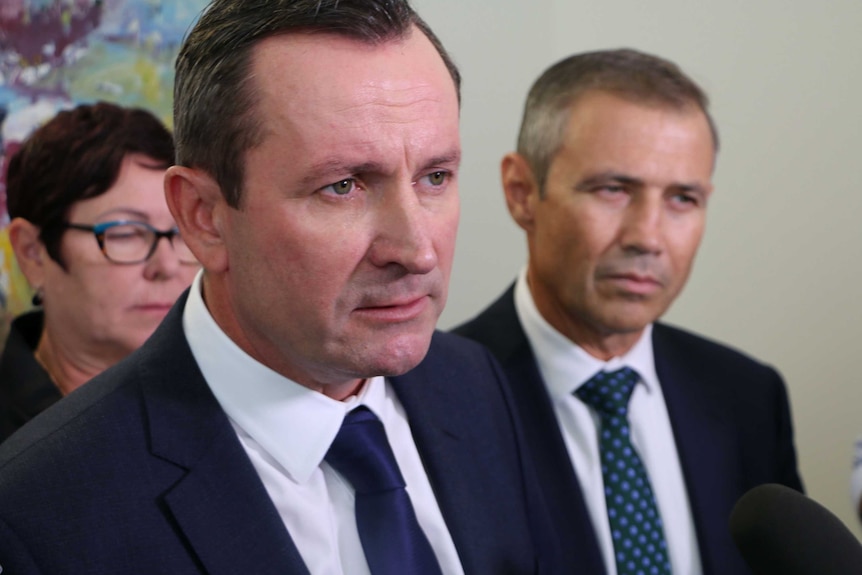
(779,270)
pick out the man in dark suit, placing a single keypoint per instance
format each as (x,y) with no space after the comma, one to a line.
(644,435)
(271,423)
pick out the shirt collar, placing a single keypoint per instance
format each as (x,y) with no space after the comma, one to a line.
(294,424)
(565,365)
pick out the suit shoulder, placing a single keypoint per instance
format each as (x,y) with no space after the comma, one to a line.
(497,326)
(696,348)
(449,348)
(91,407)
(700,346)
(110,405)
(453,360)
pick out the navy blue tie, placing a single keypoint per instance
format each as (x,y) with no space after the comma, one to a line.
(393,541)
(640,547)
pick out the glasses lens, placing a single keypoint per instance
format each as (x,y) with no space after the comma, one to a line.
(128,243)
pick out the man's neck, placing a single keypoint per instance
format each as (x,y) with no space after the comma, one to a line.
(608,346)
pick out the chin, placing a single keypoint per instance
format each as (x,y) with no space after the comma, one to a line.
(621,323)
(400,356)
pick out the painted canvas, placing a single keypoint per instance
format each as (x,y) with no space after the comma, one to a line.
(58,53)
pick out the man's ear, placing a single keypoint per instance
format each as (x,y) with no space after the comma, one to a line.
(30,252)
(521,189)
(199,208)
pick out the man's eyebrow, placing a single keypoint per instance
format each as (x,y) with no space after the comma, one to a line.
(339,168)
(605,177)
(450,158)
(618,177)
(690,187)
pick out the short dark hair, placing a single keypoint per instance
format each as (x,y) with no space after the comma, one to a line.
(215,120)
(629,74)
(75,156)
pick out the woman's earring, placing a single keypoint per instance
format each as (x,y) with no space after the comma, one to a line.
(37,297)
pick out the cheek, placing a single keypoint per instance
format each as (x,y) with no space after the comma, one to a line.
(579,243)
(284,235)
(109,289)
(92,299)
(297,267)
(575,224)
(683,248)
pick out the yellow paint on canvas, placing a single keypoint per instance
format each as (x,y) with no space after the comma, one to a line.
(15,286)
(150,86)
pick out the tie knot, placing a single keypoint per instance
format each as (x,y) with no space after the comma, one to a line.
(361,453)
(609,392)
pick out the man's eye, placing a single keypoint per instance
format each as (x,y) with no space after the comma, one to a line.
(611,189)
(343,187)
(686,199)
(437,178)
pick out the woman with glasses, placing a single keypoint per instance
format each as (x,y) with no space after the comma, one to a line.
(93,236)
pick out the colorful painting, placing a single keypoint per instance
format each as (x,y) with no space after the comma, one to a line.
(58,53)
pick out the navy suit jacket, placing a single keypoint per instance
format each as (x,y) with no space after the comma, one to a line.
(140,472)
(729,414)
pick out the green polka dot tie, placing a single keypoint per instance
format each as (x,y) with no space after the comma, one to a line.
(636,528)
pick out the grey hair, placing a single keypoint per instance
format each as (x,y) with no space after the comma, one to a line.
(627,73)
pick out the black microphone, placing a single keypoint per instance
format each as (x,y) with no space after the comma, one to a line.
(779,530)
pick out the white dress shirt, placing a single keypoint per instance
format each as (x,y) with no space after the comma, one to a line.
(565,366)
(286,430)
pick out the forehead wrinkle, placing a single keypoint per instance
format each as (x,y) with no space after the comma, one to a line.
(377,104)
(367,122)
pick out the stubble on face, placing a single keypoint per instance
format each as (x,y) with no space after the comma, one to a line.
(341,253)
(621,219)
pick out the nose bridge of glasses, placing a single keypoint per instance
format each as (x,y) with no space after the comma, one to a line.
(167,234)
(181,250)
(174,239)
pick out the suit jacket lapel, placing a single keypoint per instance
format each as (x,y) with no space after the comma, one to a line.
(220,505)
(436,423)
(560,485)
(460,452)
(707,445)
(503,335)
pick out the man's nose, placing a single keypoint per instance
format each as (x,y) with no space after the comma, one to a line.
(404,234)
(642,224)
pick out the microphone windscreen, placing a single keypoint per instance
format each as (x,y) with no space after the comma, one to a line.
(779,530)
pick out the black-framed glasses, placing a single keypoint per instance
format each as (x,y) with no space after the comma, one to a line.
(132,242)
